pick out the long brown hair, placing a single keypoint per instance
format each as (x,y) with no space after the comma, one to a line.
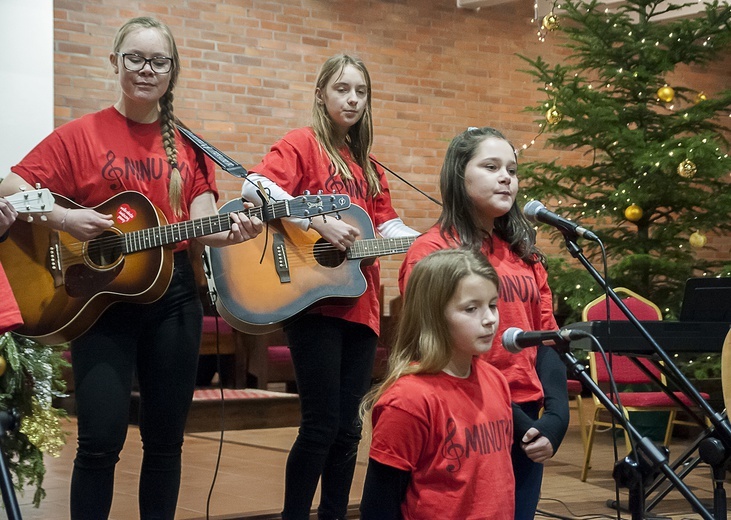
(423,343)
(167,118)
(360,136)
(458,210)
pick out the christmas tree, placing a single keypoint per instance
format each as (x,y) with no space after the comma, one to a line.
(646,162)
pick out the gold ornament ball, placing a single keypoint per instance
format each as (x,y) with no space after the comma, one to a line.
(697,239)
(550,22)
(666,94)
(687,169)
(3,365)
(553,116)
(633,213)
(701,96)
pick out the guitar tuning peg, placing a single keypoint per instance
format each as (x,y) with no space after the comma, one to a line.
(29,219)
(324,218)
(44,218)
(38,185)
(307,192)
(22,187)
(320,192)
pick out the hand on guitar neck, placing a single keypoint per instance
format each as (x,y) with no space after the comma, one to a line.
(336,231)
(8,214)
(26,203)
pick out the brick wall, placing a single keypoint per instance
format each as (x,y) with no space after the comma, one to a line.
(249,67)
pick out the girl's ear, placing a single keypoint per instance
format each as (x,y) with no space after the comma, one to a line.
(113,60)
(318,96)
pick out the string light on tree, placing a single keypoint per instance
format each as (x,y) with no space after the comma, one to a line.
(700,97)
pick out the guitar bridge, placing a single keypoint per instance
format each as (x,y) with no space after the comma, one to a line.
(54,259)
(279,249)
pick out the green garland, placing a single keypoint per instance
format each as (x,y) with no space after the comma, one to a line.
(30,378)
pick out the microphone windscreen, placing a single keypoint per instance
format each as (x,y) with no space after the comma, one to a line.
(531,209)
(509,340)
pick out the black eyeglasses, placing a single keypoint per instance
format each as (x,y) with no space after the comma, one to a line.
(135,63)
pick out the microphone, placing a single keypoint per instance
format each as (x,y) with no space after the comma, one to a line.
(537,212)
(515,339)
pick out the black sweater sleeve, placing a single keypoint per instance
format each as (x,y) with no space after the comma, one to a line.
(383,492)
(555,419)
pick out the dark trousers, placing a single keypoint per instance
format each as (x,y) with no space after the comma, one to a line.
(159,343)
(528,475)
(333,362)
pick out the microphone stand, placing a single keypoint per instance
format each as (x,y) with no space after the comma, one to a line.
(629,473)
(8,423)
(716,450)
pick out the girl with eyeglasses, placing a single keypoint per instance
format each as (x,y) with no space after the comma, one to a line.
(133,145)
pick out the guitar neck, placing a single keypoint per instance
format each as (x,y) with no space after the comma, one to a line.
(172,233)
(373,247)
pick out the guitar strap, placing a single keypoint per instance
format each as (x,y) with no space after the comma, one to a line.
(217,155)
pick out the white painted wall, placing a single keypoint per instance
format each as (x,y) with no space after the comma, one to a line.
(26,77)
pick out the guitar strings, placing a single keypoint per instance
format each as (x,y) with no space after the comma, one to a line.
(167,233)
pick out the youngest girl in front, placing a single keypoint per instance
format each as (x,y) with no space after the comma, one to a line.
(442,425)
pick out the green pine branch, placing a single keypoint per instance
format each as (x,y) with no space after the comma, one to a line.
(632,143)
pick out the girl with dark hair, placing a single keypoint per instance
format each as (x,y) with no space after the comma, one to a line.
(479,186)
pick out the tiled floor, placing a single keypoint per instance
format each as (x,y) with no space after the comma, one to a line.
(249,479)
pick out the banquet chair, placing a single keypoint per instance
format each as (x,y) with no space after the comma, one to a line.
(726,370)
(626,372)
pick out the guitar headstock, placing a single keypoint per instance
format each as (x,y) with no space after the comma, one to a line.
(309,206)
(32,202)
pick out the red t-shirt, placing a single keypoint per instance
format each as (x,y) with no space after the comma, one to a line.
(454,436)
(92,158)
(9,313)
(524,301)
(297,163)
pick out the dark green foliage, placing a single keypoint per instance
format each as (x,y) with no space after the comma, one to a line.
(632,144)
(30,382)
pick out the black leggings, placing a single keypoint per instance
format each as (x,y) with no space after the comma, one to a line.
(159,343)
(333,362)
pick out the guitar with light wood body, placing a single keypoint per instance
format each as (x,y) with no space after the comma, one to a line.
(263,283)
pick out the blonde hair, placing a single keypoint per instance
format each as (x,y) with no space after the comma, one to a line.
(423,343)
(360,136)
(167,118)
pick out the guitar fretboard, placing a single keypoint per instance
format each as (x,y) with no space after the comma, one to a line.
(172,233)
(373,247)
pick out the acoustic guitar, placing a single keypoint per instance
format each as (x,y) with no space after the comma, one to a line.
(63,285)
(263,283)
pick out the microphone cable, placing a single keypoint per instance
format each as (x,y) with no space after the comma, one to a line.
(389,170)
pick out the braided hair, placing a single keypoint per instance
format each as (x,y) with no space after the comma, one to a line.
(167,117)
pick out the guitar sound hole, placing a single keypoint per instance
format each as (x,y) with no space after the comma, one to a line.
(104,250)
(326,255)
